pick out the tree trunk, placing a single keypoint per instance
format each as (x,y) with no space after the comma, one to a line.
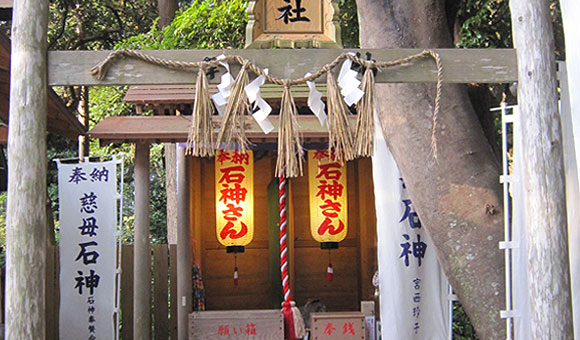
(26,211)
(167,9)
(543,171)
(457,196)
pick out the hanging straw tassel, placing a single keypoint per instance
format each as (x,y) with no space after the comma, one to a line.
(365,124)
(200,142)
(233,128)
(339,133)
(290,151)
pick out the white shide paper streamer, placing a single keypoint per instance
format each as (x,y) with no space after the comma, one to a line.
(348,83)
(264,109)
(220,99)
(315,102)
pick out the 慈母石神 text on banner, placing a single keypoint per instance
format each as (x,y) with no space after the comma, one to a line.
(88,249)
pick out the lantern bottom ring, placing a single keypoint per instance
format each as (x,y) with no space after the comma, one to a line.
(235,249)
(329,245)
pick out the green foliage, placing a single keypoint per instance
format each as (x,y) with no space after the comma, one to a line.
(349,23)
(205,24)
(91,25)
(462,328)
(487,24)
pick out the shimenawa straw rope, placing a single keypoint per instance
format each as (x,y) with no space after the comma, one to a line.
(290,151)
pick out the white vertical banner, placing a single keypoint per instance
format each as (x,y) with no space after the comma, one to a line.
(571,136)
(520,291)
(413,289)
(89,250)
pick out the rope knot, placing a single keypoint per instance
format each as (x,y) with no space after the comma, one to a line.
(369,64)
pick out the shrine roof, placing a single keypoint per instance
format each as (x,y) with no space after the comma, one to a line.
(172,97)
(176,129)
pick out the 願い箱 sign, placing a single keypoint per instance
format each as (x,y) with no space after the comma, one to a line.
(237,324)
(89,257)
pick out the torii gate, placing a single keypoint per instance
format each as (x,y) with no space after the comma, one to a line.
(28,169)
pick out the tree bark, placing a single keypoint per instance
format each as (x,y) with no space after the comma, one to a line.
(543,172)
(26,210)
(167,9)
(457,196)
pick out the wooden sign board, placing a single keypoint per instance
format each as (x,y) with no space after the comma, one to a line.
(337,326)
(293,24)
(238,325)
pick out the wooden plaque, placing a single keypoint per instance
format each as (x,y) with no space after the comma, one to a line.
(293,24)
(238,325)
(337,326)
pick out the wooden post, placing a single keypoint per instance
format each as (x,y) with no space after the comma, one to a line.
(142,255)
(543,171)
(26,214)
(183,246)
(171,192)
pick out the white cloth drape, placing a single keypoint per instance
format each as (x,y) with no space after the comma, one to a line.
(521,296)
(413,297)
(571,134)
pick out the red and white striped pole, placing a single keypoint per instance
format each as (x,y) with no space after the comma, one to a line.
(283,239)
(294,325)
(286,305)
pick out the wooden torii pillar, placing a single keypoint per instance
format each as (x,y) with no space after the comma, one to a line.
(26,211)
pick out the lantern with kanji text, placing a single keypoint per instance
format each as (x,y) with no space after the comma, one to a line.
(234,188)
(328,201)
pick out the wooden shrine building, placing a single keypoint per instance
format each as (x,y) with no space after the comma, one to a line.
(259,286)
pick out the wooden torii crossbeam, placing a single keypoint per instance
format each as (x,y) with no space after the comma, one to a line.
(459,65)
